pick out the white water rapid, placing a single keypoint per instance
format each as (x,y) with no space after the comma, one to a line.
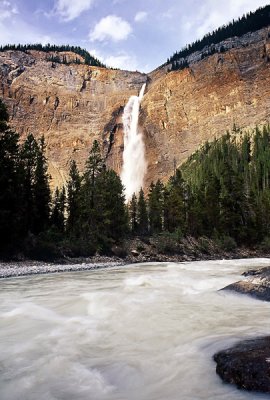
(134,163)
(139,332)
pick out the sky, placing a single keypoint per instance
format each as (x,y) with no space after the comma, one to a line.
(127,34)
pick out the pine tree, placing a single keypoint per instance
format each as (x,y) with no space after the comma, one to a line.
(155,206)
(94,166)
(36,190)
(28,156)
(142,227)
(133,208)
(10,185)
(110,211)
(174,204)
(57,219)
(73,200)
(89,196)
(41,190)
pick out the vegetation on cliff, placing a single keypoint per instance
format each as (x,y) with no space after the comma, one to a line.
(250,22)
(48,48)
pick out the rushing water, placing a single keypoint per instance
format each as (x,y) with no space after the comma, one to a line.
(141,332)
(134,163)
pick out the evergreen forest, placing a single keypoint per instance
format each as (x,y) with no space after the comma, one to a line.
(221,192)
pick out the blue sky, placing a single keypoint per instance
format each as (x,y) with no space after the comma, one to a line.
(129,34)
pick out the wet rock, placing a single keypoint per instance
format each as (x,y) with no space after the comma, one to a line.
(256,285)
(246,365)
(258,291)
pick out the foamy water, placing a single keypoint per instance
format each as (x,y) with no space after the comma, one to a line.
(141,332)
(134,163)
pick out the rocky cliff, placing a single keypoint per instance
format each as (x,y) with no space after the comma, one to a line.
(71,105)
(182,109)
(74,104)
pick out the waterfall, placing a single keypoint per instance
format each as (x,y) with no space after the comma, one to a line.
(134,163)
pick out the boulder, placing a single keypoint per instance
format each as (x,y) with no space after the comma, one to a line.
(246,365)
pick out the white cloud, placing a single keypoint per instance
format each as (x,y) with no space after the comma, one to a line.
(111,27)
(122,60)
(71,9)
(167,14)
(140,16)
(7,10)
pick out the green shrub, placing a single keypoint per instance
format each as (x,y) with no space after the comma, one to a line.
(227,243)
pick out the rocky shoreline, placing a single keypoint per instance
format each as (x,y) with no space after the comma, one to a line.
(23,268)
(135,251)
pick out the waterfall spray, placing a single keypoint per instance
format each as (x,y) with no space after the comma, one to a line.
(134,163)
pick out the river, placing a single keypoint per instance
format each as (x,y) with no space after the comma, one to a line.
(139,332)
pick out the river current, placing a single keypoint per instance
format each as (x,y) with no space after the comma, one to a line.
(139,332)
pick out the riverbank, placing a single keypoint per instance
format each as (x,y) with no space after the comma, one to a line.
(30,267)
(136,250)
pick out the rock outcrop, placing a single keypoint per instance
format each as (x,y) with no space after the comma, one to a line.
(256,284)
(247,365)
(74,104)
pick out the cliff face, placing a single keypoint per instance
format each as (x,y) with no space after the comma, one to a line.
(70,104)
(74,104)
(183,109)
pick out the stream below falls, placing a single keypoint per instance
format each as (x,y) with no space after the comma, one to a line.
(139,332)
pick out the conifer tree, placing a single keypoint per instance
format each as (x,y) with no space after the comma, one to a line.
(174,204)
(73,200)
(155,206)
(133,209)
(41,190)
(10,187)
(110,212)
(57,219)
(142,218)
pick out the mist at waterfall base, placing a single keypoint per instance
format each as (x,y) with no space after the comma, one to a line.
(140,332)
(134,163)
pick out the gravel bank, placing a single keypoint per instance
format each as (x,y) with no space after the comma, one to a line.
(8,270)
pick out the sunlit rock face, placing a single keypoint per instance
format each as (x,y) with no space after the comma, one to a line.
(183,109)
(74,104)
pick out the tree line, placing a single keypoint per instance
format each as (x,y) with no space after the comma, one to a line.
(88,58)
(249,22)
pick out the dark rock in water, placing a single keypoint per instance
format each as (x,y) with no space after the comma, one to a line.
(258,290)
(257,284)
(247,365)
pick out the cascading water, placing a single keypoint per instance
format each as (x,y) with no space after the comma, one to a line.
(134,163)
